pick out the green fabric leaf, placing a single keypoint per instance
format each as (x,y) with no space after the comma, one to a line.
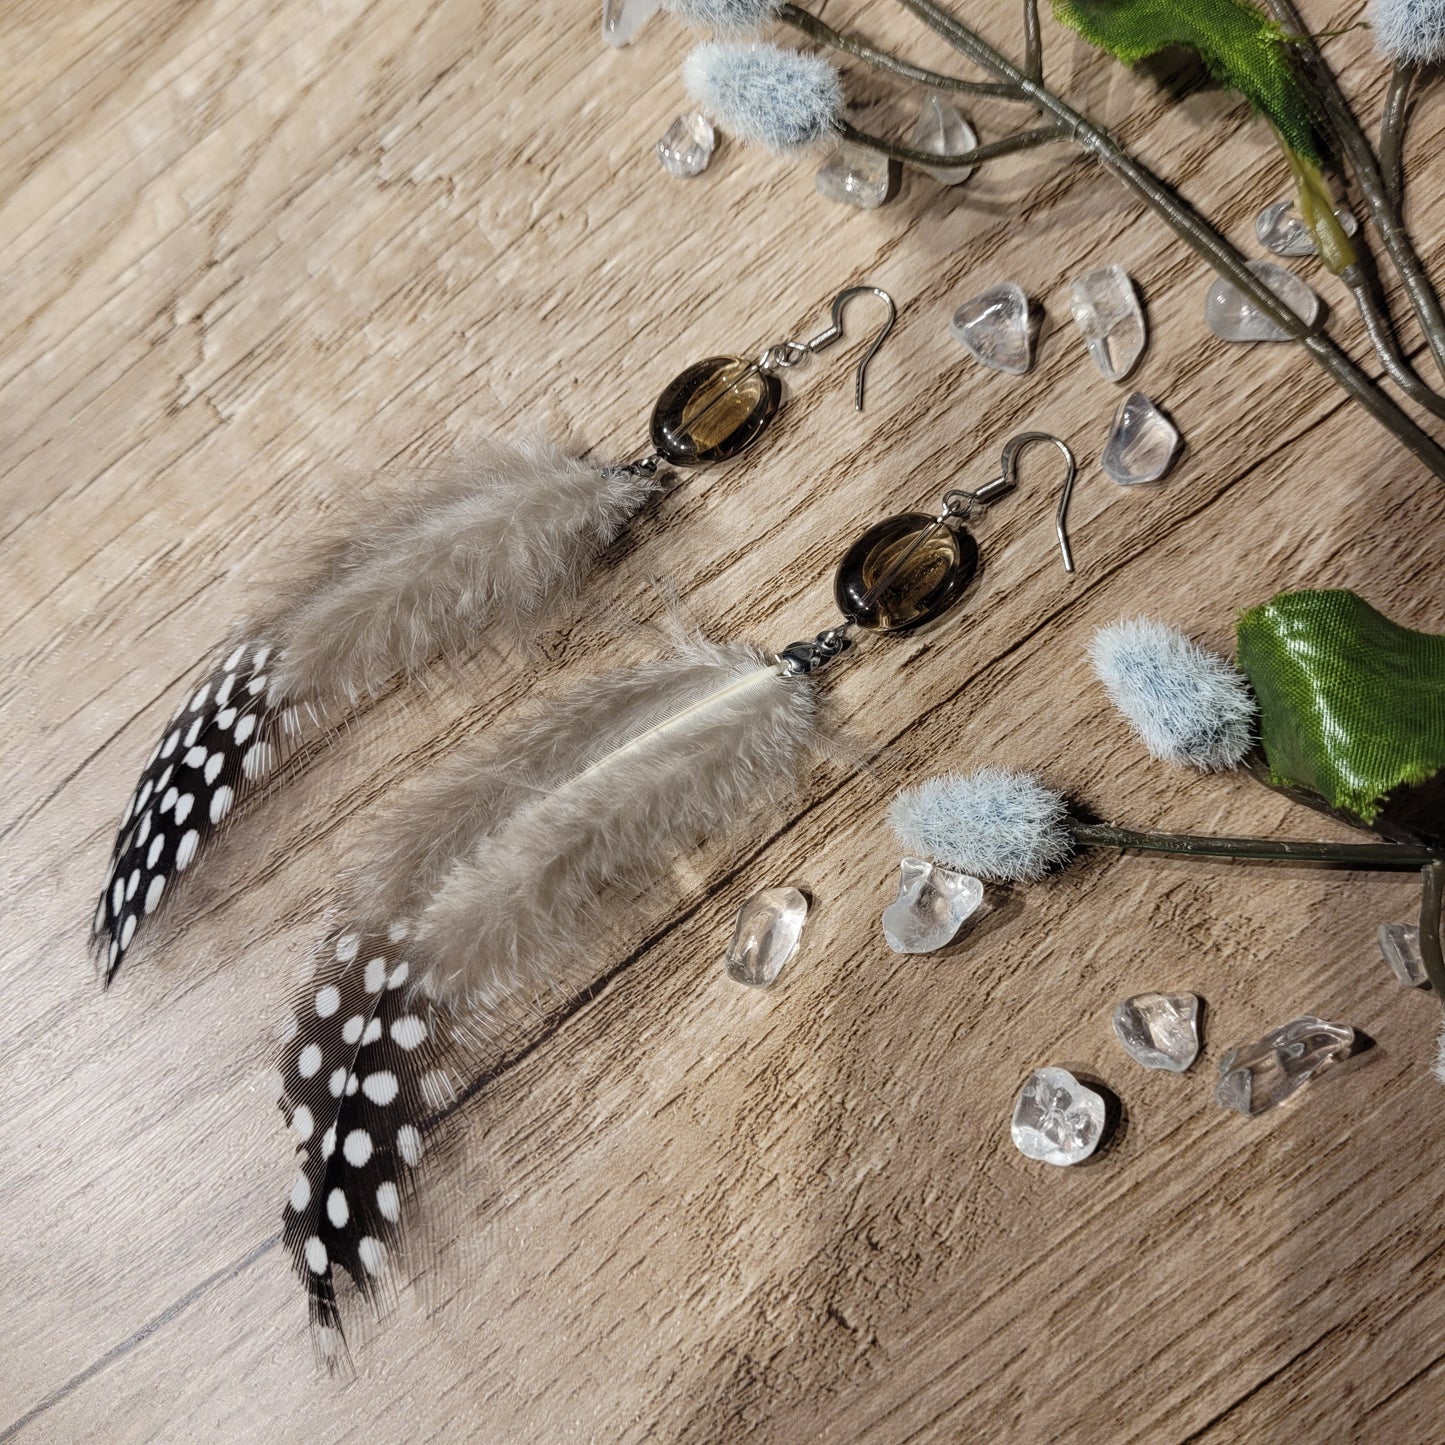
(1241,47)
(1352,708)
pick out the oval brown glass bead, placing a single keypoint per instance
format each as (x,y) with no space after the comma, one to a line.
(928,580)
(713,410)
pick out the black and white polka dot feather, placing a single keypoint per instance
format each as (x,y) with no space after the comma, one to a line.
(361,1082)
(223,739)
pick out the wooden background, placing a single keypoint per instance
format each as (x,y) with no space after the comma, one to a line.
(254,250)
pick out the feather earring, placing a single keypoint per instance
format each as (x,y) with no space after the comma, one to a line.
(497,876)
(541,827)
(499,543)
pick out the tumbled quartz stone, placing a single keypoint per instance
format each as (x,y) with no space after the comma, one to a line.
(1142,443)
(855,176)
(1159,1030)
(769,926)
(713,410)
(622,19)
(903,572)
(994,328)
(1230,316)
(1400,946)
(688,145)
(941,130)
(1057,1119)
(1257,1076)
(1106,309)
(1280,228)
(931,906)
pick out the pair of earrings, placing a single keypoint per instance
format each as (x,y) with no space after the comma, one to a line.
(497,543)
(497,874)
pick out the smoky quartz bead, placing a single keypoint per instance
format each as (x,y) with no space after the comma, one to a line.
(904,572)
(713,410)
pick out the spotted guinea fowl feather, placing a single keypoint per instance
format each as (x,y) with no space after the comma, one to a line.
(501,875)
(496,543)
(365,1071)
(225,737)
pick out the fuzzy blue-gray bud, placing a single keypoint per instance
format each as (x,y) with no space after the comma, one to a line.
(1187,705)
(780,99)
(1409,30)
(724,17)
(991,823)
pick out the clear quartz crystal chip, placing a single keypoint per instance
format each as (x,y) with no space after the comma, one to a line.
(688,145)
(622,19)
(931,906)
(1057,1119)
(1280,228)
(1230,316)
(941,130)
(994,328)
(769,926)
(1142,443)
(1159,1030)
(1400,945)
(853,176)
(1106,309)
(1256,1077)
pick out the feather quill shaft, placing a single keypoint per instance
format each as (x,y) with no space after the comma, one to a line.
(502,873)
(498,542)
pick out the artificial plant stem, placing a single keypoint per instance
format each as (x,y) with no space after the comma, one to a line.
(1382,337)
(1432,889)
(1033,41)
(1392,132)
(1317,209)
(1278,850)
(1362,161)
(1383,212)
(815,29)
(1191,227)
(1004,146)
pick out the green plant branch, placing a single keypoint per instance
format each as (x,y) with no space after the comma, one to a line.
(1392,133)
(1189,226)
(815,29)
(1357,152)
(1333,245)
(1005,146)
(1432,888)
(1275,850)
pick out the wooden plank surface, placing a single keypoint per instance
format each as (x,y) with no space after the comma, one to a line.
(256,251)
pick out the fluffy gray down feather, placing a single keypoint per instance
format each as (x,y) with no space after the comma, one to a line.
(507,855)
(498,541)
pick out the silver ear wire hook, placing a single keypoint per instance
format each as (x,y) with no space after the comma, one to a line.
(1010,464)
(959,502)
(794,353)
(826,338)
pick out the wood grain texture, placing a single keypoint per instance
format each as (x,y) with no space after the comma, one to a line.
(255,251)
